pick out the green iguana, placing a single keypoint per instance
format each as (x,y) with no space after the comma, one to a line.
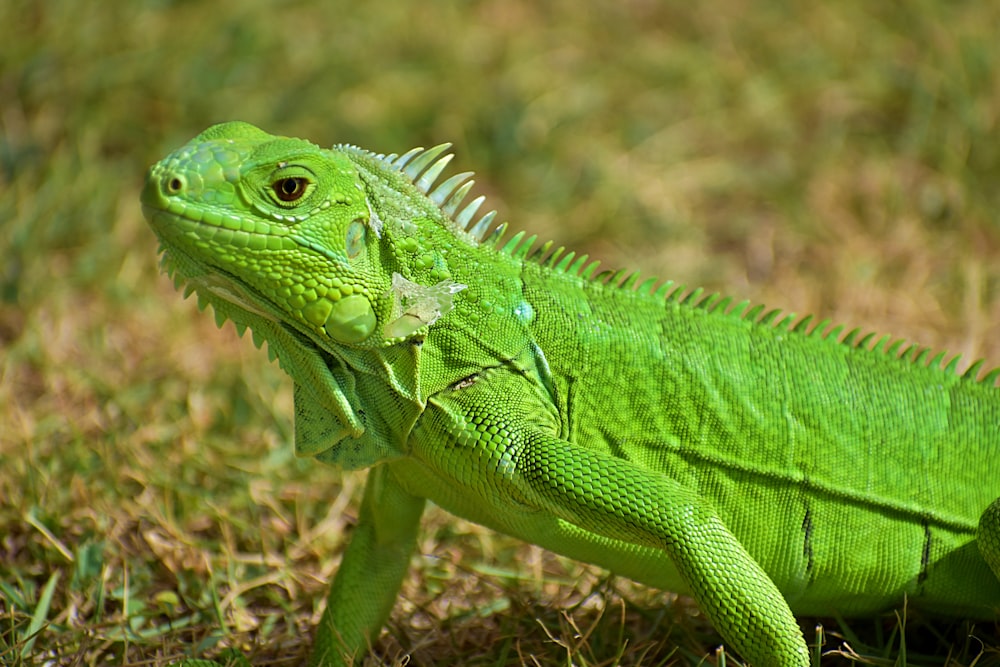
(764,466)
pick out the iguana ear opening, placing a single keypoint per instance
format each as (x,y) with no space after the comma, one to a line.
(354,242)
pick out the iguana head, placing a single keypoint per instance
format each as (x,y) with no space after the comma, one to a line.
(291,232)
(339,259)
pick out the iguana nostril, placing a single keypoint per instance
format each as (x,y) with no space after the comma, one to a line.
(174,185)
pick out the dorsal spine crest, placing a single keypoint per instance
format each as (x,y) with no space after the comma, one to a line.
(423,167)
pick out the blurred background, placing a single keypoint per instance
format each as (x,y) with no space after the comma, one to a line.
(835,158)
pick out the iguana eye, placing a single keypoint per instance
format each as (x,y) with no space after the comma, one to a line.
(290,189)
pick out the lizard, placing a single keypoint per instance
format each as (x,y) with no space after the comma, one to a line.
(764,465)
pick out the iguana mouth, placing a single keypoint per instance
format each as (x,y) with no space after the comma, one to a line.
(207,279)
(208,225)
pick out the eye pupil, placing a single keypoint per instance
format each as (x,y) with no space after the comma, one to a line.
(290,189)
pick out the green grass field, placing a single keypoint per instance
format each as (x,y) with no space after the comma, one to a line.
(841,159)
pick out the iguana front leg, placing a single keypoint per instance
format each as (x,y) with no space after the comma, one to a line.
(365,587)
(613,497)
(487,437)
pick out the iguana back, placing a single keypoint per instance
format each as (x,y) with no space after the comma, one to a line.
(853,475)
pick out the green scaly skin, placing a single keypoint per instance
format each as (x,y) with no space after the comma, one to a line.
(763,467)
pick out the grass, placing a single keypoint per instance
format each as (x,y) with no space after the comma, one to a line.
(837,159)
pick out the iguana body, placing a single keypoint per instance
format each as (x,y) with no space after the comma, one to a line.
(762,467)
